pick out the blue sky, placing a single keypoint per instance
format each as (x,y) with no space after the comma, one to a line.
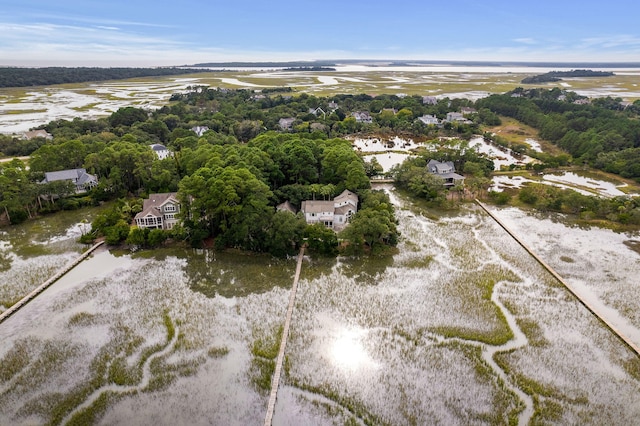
(160,32)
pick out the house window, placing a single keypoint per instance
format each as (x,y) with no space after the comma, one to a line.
(170,216)
(170,208)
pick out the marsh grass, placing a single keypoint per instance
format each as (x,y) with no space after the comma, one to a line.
(218,352)
(533,332)
(110,366)
(418,262)
(15,360)
(351,405)
(24,111)
(82,319)
(264,351)
(476,289)
(548,400)
(95,411)
(87,107)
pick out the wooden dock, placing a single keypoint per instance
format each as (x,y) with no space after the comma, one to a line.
(275,381)
(29,297)
(632,345)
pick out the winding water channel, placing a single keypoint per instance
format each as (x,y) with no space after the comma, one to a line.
(461,326)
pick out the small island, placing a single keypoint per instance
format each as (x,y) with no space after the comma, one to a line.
(309,69)
(554,76)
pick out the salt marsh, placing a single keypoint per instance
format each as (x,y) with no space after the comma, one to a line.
(461,326)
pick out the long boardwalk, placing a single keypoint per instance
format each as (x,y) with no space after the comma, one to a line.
(29,297)
(275,382)
(634,347)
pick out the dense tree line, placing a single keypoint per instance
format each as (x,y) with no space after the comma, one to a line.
(604,134)
(625,210)
(22,77)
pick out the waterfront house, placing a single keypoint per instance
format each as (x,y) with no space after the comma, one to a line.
(159,211)
(445,170)
(79,177)
(333,214)
(36,134)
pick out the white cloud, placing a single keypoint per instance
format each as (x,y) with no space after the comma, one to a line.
(609,42)
(526,40)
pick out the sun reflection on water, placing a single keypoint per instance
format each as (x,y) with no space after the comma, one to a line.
(348,351)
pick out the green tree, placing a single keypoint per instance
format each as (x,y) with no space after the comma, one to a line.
(232,203)
(127,116)
(321,240)
(285,234)
(371,227)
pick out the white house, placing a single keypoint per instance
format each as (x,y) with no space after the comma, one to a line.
(332,214)
(161,151)
(159,211)
(79,177)
(199,130)
(429,120)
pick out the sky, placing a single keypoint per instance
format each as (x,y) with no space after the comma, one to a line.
(163,33)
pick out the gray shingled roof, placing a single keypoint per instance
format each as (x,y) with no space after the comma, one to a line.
(151,204)
(79,176)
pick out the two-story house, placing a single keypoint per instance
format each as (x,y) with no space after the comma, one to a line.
(159,211)
(445,170)
(362,117)
(333,214)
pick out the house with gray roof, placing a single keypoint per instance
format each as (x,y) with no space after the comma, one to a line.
(286,123)
(159,211)
(286,207)
(79,177)
(36,134)
(362,117)
(429,120)
(429,100)
(160,150)
(333,214)
(445,170)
